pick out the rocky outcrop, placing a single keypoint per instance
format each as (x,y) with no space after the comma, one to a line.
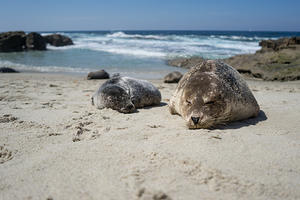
(277,60)
(276,45)
(12,41)
(18,41)
(8,70)
(282,65)
(173,77)
(35,41)
(101,74)
(58,40)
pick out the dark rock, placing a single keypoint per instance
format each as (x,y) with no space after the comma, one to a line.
(58,40)
(35,41)
(12,41)
(19,41)
(173,77)
(8,70)
(101,74)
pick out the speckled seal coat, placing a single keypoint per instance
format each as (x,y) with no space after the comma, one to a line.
(125,94)
(213,93)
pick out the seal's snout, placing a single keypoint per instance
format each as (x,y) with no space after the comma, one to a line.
(195,120)
(129,107)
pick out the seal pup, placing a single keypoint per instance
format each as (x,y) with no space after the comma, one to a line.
(212,93)
(125,94)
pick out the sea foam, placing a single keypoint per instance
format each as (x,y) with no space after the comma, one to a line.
(49,69)
(163,46)
(135,36)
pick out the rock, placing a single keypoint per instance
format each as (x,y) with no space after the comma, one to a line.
(8,70)
(12,41)
(101,74)
(276,45)
(185,62)
(173,77)
(34,41)
(282,65)
(19,41)
(58,40)
(277,60)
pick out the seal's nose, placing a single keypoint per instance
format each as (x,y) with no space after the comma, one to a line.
(129,107)
(195,120)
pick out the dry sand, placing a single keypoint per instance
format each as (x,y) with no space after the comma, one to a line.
(55,145)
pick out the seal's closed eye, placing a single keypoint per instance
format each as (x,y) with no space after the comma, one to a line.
(209,102)
(188,102)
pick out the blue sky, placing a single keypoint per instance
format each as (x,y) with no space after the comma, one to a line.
(39,15)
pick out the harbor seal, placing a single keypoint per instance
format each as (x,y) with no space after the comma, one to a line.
(213,93)
(125,94)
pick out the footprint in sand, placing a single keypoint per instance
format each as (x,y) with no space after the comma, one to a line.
(155,126)
(144,194)
(79,135)
(5,155)
(7,118)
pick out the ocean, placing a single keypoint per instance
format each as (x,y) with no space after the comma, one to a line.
(139,54)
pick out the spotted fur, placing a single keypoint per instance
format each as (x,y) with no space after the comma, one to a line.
(125,94)
(213,93)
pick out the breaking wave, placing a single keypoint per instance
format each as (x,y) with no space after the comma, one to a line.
(164,46)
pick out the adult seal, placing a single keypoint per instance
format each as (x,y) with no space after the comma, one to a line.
(212,93)
(125,94)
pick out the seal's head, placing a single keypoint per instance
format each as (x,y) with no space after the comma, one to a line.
(114,97)
(203,104)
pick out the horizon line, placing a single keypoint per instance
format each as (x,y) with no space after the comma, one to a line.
(108,30)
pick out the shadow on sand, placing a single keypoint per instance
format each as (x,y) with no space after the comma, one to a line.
(160,105)
(248,122)
(148,107)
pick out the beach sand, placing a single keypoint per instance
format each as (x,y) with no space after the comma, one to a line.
(55,145)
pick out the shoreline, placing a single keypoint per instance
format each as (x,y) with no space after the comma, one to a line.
(144,154)
(157,73)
